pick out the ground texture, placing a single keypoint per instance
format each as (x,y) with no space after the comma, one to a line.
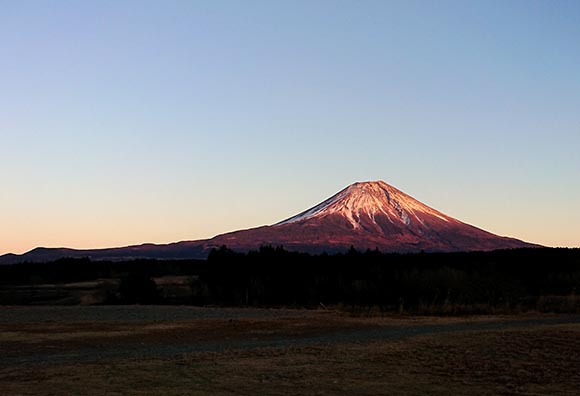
(193,351)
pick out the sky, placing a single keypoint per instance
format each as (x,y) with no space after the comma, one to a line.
(124,122)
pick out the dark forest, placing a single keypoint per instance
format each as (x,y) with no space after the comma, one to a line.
(507,281)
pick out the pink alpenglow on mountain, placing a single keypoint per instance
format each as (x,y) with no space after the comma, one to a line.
(369,215)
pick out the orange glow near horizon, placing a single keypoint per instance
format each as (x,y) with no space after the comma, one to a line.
(88,236)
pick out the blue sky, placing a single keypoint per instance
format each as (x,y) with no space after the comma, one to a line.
(148,121)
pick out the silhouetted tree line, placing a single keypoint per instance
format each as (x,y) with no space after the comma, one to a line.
(426,282)
(393,282)
(69,270)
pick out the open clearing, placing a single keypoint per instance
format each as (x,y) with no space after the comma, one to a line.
(215,351)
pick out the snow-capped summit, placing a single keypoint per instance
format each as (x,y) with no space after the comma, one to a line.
(365,200)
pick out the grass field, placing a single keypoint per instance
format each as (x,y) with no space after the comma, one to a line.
(271,352)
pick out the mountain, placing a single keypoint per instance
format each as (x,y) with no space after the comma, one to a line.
(171,251)
(366,215)
(369,215)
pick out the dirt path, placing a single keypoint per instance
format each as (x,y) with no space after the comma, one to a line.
(206,330)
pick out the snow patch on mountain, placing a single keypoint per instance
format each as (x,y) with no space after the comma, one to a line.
(370,199)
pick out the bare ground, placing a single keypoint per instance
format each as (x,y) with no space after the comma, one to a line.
(280,352)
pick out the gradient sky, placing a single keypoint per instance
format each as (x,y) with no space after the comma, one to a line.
(124,122)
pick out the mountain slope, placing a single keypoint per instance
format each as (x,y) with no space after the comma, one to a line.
(365,215)
(370,215)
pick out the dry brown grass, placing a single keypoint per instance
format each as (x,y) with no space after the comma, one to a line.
(543,360)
